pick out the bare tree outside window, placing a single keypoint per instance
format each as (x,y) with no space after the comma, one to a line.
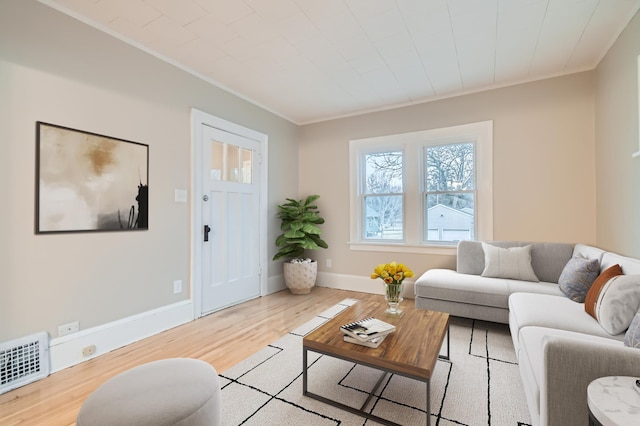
(383,196)
(450,192)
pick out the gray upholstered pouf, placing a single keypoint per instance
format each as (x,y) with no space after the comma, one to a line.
(178,391)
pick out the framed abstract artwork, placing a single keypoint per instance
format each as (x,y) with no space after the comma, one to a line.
(86,182)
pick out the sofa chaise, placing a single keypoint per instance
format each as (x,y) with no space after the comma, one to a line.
(560,347)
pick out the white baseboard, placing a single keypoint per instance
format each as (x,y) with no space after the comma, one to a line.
(275,284)
(66,351)
(359,283)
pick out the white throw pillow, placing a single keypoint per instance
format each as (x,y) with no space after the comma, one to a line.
(513,263)
(618,302)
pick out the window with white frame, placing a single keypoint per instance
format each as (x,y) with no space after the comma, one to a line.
(449,191)
(422,191)
(382,195)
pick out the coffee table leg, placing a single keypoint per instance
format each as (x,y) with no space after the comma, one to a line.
(448,346)
(304,370)
(428,404)
(373,392)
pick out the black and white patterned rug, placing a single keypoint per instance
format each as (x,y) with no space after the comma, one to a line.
(480,385)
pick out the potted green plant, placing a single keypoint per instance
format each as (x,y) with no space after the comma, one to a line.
(300,232)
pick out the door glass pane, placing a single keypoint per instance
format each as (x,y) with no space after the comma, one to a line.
(217,155)
(246,155)
(231,163)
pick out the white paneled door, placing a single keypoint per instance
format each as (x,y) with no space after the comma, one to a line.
(230,262)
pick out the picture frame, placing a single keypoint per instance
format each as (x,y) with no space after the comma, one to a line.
(88,182)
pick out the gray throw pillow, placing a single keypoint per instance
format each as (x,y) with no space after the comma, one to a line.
(577,276)
(513,263)
(632,337)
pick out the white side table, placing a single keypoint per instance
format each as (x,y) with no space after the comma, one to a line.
(614,401)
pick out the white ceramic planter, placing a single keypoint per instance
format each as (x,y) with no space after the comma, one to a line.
(300,277)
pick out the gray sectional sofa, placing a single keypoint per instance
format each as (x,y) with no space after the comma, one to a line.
(465,293)
(560,347)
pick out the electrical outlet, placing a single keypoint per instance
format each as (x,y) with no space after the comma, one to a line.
(328,263)
(65,329)
(177,286)
(89,350)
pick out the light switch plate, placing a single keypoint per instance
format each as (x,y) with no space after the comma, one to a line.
(181,195)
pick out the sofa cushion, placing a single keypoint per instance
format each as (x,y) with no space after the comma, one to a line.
(598,284)
(464,310)
(512,262)
(557,312)
(547,259)
(445,284)
(618,302)
(632,336)
(577,277)
(629,265)
(517,286)
(470,257)
(590,252)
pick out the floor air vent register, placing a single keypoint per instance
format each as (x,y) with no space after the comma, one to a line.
(23,361)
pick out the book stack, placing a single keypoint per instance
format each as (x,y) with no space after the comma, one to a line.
(368,332)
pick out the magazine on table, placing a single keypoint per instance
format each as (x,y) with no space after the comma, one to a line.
(367,329)
(373,343)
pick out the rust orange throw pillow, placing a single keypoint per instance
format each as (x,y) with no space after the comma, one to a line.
(593,293)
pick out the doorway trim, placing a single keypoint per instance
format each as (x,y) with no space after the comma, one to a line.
(199,119)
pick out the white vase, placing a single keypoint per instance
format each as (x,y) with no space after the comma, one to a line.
(300,277)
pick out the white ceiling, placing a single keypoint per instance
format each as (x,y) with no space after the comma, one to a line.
(312,60)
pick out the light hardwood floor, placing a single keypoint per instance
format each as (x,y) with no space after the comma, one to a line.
(223,339)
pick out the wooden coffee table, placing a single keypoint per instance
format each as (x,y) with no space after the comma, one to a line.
(411,351)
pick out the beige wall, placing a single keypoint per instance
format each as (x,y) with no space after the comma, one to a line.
(616,130)
(543,165)
(58,70)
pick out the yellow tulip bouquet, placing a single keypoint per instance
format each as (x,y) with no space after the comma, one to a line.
(392,274)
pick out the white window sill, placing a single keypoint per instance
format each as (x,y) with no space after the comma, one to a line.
(403,248)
